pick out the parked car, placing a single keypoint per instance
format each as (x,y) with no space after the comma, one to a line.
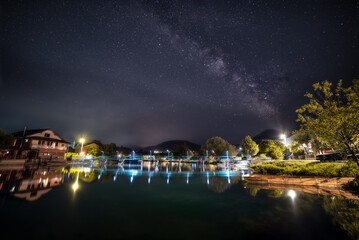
(330,157)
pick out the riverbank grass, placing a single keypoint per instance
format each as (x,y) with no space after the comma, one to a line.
(307,168)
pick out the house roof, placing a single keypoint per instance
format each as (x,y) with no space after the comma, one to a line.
(28,132)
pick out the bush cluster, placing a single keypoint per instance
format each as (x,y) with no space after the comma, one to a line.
(307,168)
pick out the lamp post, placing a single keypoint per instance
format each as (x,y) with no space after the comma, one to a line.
(168,153)
(82,140)
(284,137)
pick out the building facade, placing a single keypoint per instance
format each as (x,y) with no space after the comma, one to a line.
(38,143)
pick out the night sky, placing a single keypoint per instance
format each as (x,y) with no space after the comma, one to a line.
(142,72)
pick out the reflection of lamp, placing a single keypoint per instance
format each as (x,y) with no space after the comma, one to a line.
(82,140)
(75,186)
(292,194)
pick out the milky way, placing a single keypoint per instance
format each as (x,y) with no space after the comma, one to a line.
(141,72)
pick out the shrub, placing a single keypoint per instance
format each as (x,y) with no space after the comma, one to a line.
(307,168)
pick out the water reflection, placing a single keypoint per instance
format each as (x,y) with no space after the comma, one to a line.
(345,213)
(278,190)
(29,183)
(218,178)
(261,208)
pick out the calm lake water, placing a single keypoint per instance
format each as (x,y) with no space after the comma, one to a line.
(163,202)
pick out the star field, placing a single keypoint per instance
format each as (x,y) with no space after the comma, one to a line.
(142,72)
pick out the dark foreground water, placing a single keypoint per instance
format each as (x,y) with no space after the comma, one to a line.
(163,203)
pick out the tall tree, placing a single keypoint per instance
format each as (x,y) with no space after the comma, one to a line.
(249,146)
(332,115)
(5,140)
(217,146)
(181,150)
(109,149)
(272,148)
(94,151)
(307,142)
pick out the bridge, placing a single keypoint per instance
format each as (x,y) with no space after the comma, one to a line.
(138,159)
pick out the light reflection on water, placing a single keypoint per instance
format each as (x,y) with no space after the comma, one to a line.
(208,199)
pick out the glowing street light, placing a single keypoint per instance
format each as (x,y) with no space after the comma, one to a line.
(284,137)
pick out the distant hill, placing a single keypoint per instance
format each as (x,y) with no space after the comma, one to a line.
(170,145)
(267,134)
(133,147)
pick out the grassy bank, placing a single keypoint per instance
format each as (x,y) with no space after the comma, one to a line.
(307,168)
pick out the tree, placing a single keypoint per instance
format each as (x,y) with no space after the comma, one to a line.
(70,149)
(181,150)
(332,115)
(94,151)
(124,150)
(272,148)
(6,140)
(249,146)
(297,149)
(109,149)
(217,146)
(309,143)
(299,145)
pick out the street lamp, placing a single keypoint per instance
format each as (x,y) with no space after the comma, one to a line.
(82,140)
(284,137)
